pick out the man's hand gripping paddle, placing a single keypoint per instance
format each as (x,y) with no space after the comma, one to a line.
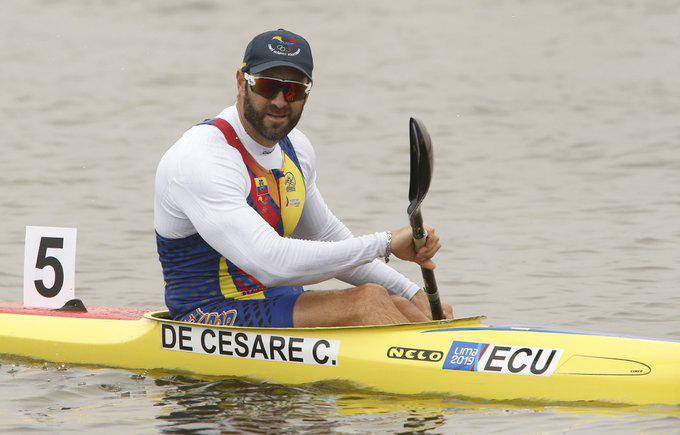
(421,175)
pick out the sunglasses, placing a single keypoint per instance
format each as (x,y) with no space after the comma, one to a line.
(269,87)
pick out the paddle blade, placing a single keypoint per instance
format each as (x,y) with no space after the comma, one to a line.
(421,163)
(415,160)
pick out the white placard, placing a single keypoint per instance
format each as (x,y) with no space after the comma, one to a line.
(49,266)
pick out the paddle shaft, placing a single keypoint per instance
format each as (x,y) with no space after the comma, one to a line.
(419,239)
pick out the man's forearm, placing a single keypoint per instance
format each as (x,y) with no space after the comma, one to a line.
(377,272)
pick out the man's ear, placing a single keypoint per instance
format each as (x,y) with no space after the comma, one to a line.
(240,83)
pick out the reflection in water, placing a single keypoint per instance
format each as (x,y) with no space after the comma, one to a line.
(62,398)
(190,405)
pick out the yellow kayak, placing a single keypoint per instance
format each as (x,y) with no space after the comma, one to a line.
(464,357)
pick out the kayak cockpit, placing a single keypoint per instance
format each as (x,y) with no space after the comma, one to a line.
(164,317)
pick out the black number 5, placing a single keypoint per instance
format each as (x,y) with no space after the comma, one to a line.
(44,261)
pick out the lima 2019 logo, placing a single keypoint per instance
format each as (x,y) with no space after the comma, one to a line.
(289,47)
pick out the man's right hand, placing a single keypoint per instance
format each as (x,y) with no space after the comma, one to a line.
(403,247)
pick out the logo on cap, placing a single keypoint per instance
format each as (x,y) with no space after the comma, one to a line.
(289,47)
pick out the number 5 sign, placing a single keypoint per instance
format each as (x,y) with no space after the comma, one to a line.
(49,266)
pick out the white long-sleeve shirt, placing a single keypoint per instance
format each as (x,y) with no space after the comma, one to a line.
(201,187)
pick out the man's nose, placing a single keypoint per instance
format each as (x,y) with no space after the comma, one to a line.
(279,101)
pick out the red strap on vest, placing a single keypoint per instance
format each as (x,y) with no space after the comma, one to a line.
(232,139)
(264,209)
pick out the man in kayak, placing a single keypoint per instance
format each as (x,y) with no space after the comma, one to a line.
(241,225)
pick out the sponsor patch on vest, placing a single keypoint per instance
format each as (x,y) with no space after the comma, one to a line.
(292,202)
(509,360)
(398,352)
(250,345)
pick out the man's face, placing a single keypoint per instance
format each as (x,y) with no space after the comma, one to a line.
(273,118)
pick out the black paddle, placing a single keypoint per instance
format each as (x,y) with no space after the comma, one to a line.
(421,175)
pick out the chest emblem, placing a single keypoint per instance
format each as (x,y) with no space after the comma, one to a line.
(289,182)
(262,188)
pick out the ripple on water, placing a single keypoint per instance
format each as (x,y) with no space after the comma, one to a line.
(70,399)
(642,269)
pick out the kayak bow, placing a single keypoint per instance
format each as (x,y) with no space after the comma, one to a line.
(461,357)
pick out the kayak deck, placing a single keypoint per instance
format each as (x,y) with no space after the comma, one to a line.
(463,357)
(91,313)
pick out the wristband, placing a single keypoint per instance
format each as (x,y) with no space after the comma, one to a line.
(388,250)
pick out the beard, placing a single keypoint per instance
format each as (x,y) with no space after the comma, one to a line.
(256,118)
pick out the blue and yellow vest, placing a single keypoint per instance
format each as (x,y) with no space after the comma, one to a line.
(195,274)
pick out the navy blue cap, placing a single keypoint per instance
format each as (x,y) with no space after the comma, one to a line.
(278,48)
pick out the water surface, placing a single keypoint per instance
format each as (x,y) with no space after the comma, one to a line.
(556,190)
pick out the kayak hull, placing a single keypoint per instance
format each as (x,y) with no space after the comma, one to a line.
(462,358)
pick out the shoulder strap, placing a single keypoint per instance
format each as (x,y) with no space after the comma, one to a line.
(264,209)
(232,138)
(287,147)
